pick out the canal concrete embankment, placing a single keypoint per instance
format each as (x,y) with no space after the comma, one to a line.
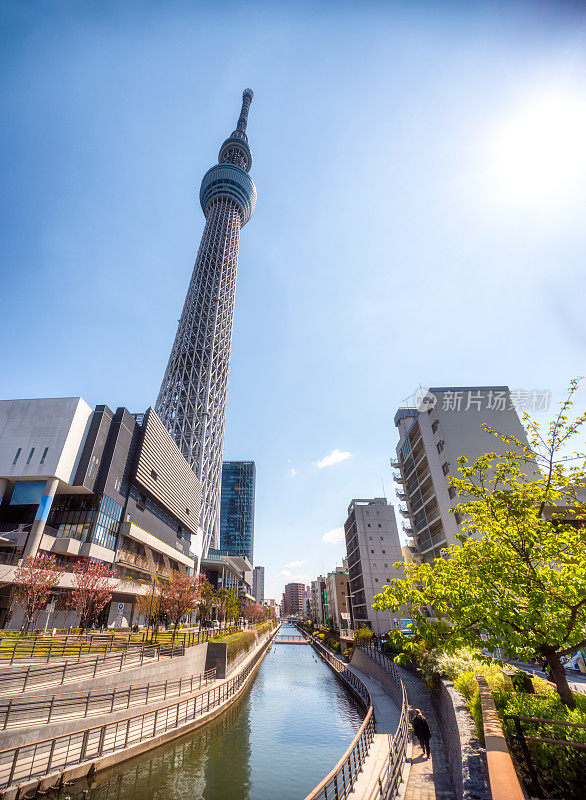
(225,693)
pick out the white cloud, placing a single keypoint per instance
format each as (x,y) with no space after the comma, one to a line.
(333,458)
(292,471)
(334,536)
(295,564)
(286,573)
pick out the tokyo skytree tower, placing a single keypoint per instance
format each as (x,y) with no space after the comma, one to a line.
(192,399)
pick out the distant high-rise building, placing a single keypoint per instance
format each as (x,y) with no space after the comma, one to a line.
(192,398)
(318,591)
(373,546)
(237,508)
(294,598)
(258,584)
(447,424)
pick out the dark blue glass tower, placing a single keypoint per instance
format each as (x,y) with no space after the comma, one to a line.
(237,508)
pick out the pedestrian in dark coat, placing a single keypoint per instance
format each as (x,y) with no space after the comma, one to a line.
(422,731)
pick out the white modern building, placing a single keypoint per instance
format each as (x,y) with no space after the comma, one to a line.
(372,547)
(258,584)
(447,424)
(87,484)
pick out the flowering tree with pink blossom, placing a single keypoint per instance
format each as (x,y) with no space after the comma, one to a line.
(92,590)
(180,596)
(34,579)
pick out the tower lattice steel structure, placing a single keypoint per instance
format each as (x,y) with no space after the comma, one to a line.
(192,399)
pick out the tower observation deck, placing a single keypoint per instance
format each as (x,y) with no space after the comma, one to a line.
(192,398)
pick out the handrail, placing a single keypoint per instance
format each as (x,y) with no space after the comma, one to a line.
(18,764)
(43,709)
(35,675)
(47,648)
(389,778)
(339,782)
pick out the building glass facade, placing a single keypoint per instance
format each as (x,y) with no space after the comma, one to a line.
(87,518)
(237,508)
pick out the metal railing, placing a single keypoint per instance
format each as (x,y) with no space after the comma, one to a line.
(522,738)
(41,710)
(47,647)
(389,778)
(18,764)
(37,675)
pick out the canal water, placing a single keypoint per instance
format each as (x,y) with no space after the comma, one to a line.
(276,743)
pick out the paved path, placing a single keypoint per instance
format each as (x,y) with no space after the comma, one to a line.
(429,778)
(386,715)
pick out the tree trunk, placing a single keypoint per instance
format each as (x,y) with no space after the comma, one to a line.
(559,676)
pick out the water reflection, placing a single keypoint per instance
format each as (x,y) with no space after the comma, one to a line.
(278,741)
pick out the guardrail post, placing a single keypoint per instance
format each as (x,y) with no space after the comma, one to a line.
(536,790)
(8,710)
(13,766)
(51,709)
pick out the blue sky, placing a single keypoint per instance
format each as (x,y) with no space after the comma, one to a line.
(398,239)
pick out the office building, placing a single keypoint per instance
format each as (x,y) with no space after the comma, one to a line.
(294,599)
(258,584)
(447,424)
(193,394)
(337,590)
(372,547)
(237,508)
(96,485)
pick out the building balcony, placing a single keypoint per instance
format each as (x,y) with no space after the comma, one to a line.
(398,478)
(395,463)
(402,496)
(405,512)
(408,529)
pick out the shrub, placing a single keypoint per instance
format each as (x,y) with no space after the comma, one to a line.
(363,634)
(560,769)
(237,642)
(348,653)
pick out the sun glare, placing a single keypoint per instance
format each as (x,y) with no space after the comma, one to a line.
(540,152)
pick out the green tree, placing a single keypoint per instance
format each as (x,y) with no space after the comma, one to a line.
(518,577)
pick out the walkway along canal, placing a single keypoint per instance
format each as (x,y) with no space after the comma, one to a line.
(276,743)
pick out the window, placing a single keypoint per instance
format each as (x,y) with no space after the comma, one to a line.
(368,524)
(445,467)
(17,455)
(376,580)
(435,425)
(380,526)
(141,502)
(370,538)
(372,551)
(187,511)
(44,456)
(30,455)
(117,483)
(440,446)
(154,475)
(429,410)
(366,512)
(452,492)
(384,551)
(386,567)
(458,517)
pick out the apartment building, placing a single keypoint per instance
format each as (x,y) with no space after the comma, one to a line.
(294,599)
(337,590)
(447,424)
(318,601)
(372,547)
(96,485)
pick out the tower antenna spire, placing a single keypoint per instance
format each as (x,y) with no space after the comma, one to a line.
(247,96)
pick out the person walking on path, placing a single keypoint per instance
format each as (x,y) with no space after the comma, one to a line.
(422,731)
